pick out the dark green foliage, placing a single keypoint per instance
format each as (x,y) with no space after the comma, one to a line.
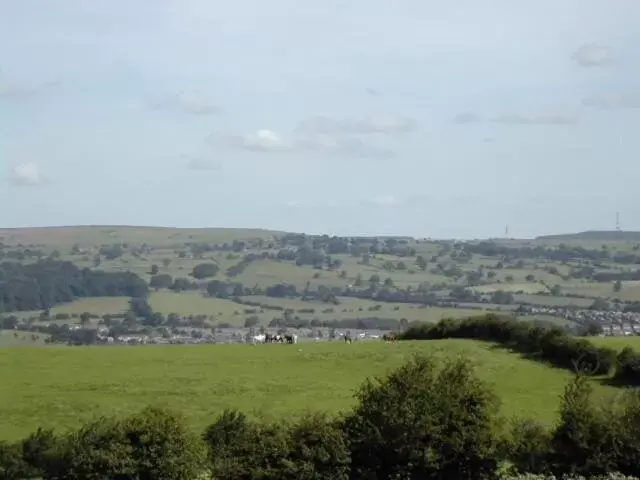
(205,270)
(583,439)
(154,444)
(140,307)
(12,463)
(313,448)
(424,421)
(528,446)
(547,344)
(44,284)
(161,281)
(628,367)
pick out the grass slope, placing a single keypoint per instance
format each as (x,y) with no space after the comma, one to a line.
(62,387)
(11,338)
(194,303)
(106,234)
(618,343)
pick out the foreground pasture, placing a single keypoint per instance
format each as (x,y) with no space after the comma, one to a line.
(62,387)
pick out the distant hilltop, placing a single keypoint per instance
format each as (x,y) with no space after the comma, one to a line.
(595,235)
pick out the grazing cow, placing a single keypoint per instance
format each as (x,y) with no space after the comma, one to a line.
(389,337)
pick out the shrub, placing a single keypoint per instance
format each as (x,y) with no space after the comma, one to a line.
(313,448)
(628,367)
(587,438)
(205,270)
(12,463)
(154,444)
(528,446)
(424,421)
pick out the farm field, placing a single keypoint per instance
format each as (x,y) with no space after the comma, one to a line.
(10,338)
(63,387)
(222,310)
(550,301)
(618,343)
(107,234)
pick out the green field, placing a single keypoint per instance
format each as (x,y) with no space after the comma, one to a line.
(618,343)
(106,234)
(222,310)
(62,387)
(10,338)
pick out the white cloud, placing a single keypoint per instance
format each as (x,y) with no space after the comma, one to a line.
(383,200)
(26,174)
(191,102)
(593,55)
(549,118)
(328,142)
(467,118)
(200,164)
(340,144)
(321,134)
(612,100)
(383,124)
(263,140)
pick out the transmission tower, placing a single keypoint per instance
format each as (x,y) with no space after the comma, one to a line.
(617,221)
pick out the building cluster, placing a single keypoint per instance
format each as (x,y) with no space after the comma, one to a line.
(615,323)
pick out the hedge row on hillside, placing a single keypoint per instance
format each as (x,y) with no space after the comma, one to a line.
(429,419)
(628,367)
(548,344)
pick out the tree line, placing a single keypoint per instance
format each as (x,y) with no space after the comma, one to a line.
(46,283)
(562,253)
(551,345)
(429,419)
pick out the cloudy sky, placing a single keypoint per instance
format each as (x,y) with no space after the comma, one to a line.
(419,117)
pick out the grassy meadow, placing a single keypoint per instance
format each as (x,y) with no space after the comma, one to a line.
(618,343)
(107,234)
(62,387)
(222,310)
(9,338)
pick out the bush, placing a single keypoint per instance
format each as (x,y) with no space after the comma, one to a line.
(528,446)
(424,421)
(205,270)
(154,444)
(628,367)
(12,463)
(161,281)
(313,448)
(596,439)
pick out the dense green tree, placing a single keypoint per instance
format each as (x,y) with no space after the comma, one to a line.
(154,444)
(161,281)
(205,270)
(425,420)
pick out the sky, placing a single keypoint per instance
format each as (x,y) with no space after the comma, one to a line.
(413,117)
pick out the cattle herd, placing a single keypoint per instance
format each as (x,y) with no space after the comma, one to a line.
(293,339)
(277,338)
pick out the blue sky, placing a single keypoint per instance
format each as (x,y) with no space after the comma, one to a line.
(419,117)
